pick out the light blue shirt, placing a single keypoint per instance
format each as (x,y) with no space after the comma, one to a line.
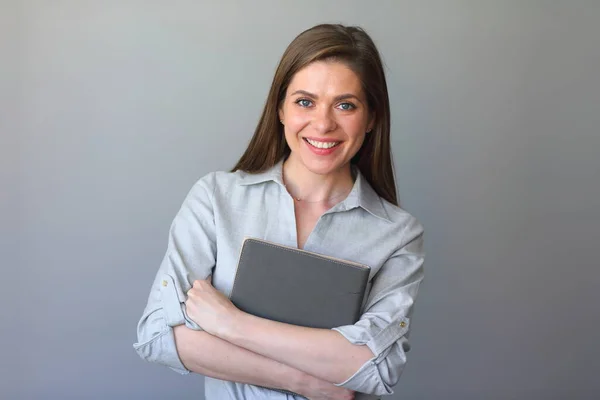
(205,238)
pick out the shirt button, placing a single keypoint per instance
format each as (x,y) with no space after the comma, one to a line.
(402,324)
(164,283)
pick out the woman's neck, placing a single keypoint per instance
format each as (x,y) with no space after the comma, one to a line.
(306,186)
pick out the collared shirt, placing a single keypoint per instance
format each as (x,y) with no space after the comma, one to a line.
(206,236)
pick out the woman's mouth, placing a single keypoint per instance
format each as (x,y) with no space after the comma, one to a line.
(321,145)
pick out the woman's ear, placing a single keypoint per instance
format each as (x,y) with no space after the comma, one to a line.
(371,122)
(280,113)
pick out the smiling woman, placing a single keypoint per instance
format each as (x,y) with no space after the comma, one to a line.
(325,118)
(317,175)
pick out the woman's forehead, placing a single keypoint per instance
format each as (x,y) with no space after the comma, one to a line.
(326,78)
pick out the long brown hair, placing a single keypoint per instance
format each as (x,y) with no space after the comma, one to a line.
(352,46)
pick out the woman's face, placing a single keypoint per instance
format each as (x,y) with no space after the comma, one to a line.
(325,117)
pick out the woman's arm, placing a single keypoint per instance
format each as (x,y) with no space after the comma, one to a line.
(366,357)
(164,334)
(322,353)
(208,355)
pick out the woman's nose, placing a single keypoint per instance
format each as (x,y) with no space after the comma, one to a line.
(324,121)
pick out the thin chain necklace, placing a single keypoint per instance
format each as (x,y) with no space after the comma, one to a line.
(315,201)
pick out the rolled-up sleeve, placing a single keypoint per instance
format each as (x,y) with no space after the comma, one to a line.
(190,255)
(385,322)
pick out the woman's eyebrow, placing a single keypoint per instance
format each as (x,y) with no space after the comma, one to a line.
(305,93)
(336,98)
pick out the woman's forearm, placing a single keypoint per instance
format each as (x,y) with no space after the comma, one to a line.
(321,353)
(209,355)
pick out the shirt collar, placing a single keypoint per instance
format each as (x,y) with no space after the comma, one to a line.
(275,173)
(362,194)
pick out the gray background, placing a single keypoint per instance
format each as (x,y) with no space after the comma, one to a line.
(111,110)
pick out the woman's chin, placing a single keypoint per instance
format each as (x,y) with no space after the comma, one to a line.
(324,167)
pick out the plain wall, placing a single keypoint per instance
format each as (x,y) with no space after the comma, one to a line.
(111,110)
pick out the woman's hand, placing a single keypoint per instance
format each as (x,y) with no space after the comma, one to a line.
(216,314)
(317,389)
(210,308)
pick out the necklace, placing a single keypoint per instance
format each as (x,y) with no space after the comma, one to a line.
(315,201)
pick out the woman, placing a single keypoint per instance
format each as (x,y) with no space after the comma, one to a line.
(317,174)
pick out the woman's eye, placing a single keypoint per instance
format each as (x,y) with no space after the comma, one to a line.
(347,106)
(304,103)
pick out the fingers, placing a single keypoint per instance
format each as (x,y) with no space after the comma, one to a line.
(200,284)
(197,285)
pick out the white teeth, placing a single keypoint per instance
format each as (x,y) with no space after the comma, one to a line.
(322,145)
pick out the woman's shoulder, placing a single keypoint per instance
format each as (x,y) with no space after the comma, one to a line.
(226,186)
(213,182)
(219,178)
(401,218)
(389,216)
(397,228)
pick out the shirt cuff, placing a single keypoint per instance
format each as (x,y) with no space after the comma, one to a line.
(388,336)
(161,349)
(376,339)
(173,306)
(374,376)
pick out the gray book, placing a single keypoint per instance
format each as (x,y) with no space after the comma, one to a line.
(298,287)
